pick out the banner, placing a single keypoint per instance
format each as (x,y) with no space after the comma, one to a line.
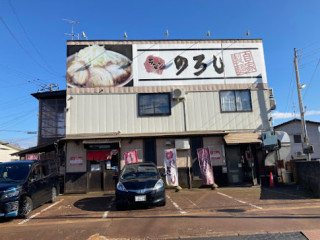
(205,166)
(33,156)
(130,157)
(170,164)
(76,161)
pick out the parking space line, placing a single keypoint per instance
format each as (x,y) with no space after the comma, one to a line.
(105,215)
(43,210)
(243,202)
(176,205)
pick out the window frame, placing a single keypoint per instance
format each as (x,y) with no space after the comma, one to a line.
(235,101)
(295,138)
(140,114)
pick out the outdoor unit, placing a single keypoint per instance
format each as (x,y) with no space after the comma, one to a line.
(181,144)
(272,104)
(299,154)
(178,93)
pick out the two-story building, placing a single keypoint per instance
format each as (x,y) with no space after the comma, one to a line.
(149,96)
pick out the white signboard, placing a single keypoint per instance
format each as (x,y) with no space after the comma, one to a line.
(198,63)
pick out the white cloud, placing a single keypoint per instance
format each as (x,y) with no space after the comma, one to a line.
(286,115)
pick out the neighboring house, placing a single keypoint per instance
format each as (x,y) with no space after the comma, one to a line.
(51,128)
(293,128)
(6,150)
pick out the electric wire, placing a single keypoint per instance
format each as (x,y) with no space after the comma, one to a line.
(312,77)
(28,38)
(25,50)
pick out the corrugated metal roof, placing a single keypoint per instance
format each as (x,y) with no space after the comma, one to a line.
(244,137)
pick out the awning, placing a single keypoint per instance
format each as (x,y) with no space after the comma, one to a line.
(244,137)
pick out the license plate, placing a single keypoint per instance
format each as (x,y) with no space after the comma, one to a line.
(141,198)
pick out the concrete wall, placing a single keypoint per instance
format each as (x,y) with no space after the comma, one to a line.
(309,175)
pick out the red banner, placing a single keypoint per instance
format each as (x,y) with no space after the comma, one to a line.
(205,166)
(33,156)
(130,157)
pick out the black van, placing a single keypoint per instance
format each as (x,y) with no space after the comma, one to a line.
(25,185)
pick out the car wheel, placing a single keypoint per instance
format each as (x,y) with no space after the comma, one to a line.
(53,195)
(25,207)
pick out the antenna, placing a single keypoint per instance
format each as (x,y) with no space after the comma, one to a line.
(72,23)
(167,34)
(84,36)
(208,33)
(246,34)
(125,35)
(48,87)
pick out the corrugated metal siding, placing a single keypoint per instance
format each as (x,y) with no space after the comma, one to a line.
(117,112)
(204,113)
(109,113)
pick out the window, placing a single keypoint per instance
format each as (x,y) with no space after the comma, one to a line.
(297,138)
(154,104)
(235,101)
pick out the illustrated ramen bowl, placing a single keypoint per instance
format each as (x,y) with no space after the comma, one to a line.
(94,66)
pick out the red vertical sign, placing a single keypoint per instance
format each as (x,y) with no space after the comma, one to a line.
(205,166)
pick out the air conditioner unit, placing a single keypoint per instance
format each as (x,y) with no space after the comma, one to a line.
(178,93)
(273,104)
(270,92)
(181,144)
(299,154)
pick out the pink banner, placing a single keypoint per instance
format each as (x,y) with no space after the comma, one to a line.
(33,156)
(170,163)
(130,157)
(205,166)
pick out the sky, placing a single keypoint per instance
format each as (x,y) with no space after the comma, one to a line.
(33,45)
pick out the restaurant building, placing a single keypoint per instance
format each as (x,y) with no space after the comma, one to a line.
(147,97)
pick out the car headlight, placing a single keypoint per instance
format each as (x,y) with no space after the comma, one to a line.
(11,192)
(158,185)
(120,187)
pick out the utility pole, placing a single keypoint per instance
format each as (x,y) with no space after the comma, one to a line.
(303,123)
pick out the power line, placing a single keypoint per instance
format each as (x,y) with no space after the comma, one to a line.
(21,46)
(28,38)
(309,83)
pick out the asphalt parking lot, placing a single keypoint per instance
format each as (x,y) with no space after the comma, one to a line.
(231,211)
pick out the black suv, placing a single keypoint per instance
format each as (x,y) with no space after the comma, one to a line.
(25,185)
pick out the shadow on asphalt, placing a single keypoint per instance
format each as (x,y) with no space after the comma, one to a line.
(286,192)
(94,204)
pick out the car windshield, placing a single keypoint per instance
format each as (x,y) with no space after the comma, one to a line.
(14,172)
(141,171)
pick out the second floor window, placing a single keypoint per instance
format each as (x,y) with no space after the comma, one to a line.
(235,101)
(154,104)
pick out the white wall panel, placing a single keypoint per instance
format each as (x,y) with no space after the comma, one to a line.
(108,113)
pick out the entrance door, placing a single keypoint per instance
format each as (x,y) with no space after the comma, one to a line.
(95,176)
(195,143)
(234,164)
